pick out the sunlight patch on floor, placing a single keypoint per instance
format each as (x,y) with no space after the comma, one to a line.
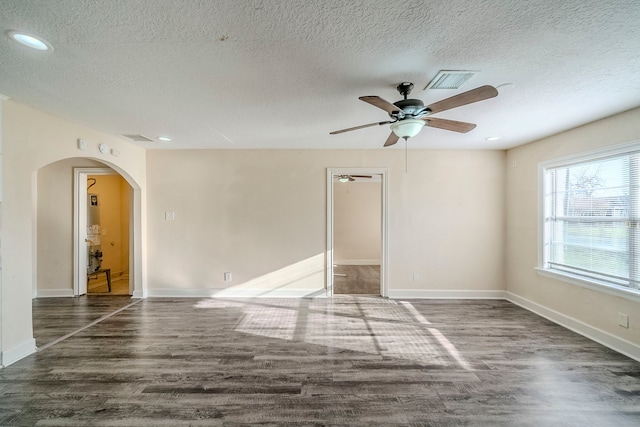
(372,326)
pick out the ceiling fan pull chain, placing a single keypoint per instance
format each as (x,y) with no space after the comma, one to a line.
(406,156)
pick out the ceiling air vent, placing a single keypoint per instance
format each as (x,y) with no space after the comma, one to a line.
(138,138)
(447,79)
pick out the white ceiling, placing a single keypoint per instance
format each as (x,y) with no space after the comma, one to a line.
(284,73)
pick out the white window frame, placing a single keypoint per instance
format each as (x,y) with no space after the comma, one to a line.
(604,287)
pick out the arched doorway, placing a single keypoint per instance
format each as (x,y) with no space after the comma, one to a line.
(59,188)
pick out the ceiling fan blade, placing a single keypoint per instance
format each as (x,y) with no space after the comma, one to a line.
(380,103)
(335,132)
(393,138)
(361,176)
(453,125)
(474,95)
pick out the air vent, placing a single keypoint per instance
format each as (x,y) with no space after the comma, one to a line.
(138,138)
(447,79)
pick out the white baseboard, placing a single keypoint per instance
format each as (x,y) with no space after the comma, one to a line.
(139,294)
(442,294)
(237,293)
(608,340)
(16,353)
(55,293)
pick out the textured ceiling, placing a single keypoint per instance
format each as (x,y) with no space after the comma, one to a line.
(284,73)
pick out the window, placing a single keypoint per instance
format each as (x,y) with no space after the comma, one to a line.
(590,217)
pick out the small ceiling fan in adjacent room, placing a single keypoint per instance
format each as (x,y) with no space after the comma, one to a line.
(351,178)
(409,116)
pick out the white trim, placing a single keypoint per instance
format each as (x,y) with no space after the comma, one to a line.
(384,261)
(608,340)
(80,175)
(80,223)
(628,294)
(329,251)
(445,294)
(18,352)
(139,294)
(236,293)
(55,293)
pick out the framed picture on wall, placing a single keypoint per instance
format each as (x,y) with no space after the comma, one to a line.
(94,200)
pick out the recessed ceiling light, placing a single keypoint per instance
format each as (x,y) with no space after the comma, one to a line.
(29,41)
(164,138)
(492,138)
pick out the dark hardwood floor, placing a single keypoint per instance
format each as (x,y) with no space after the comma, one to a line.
(346,361)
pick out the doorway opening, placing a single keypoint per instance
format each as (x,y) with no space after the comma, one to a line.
(102,219)
(357,231)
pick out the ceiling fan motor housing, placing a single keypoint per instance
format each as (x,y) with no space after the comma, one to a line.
(409,108)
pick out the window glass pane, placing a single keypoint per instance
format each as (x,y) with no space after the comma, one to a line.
(589,226)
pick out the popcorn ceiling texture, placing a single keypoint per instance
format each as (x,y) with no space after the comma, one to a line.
(282,74)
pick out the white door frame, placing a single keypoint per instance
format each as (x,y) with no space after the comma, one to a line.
(80,175)
(384,262)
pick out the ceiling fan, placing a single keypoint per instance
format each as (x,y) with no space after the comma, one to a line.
(409,116)
(351,178)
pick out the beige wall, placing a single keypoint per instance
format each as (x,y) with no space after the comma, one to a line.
(33,139)
(596,309)
(261,214)
(357,219)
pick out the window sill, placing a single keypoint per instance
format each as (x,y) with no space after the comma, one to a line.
(628,294)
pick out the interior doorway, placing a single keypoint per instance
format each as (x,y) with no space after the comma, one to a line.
(102,223)
(356,231)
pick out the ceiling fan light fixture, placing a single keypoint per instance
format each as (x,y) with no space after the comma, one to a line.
(407,128)
(343,178)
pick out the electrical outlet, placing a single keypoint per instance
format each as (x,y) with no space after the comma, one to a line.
(227,276)
(623,320)
(416,277)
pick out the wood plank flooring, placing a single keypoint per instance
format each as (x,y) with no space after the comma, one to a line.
(346,361)
(119,286)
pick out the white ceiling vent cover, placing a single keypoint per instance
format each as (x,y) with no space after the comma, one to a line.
(447,79)
(138,138)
